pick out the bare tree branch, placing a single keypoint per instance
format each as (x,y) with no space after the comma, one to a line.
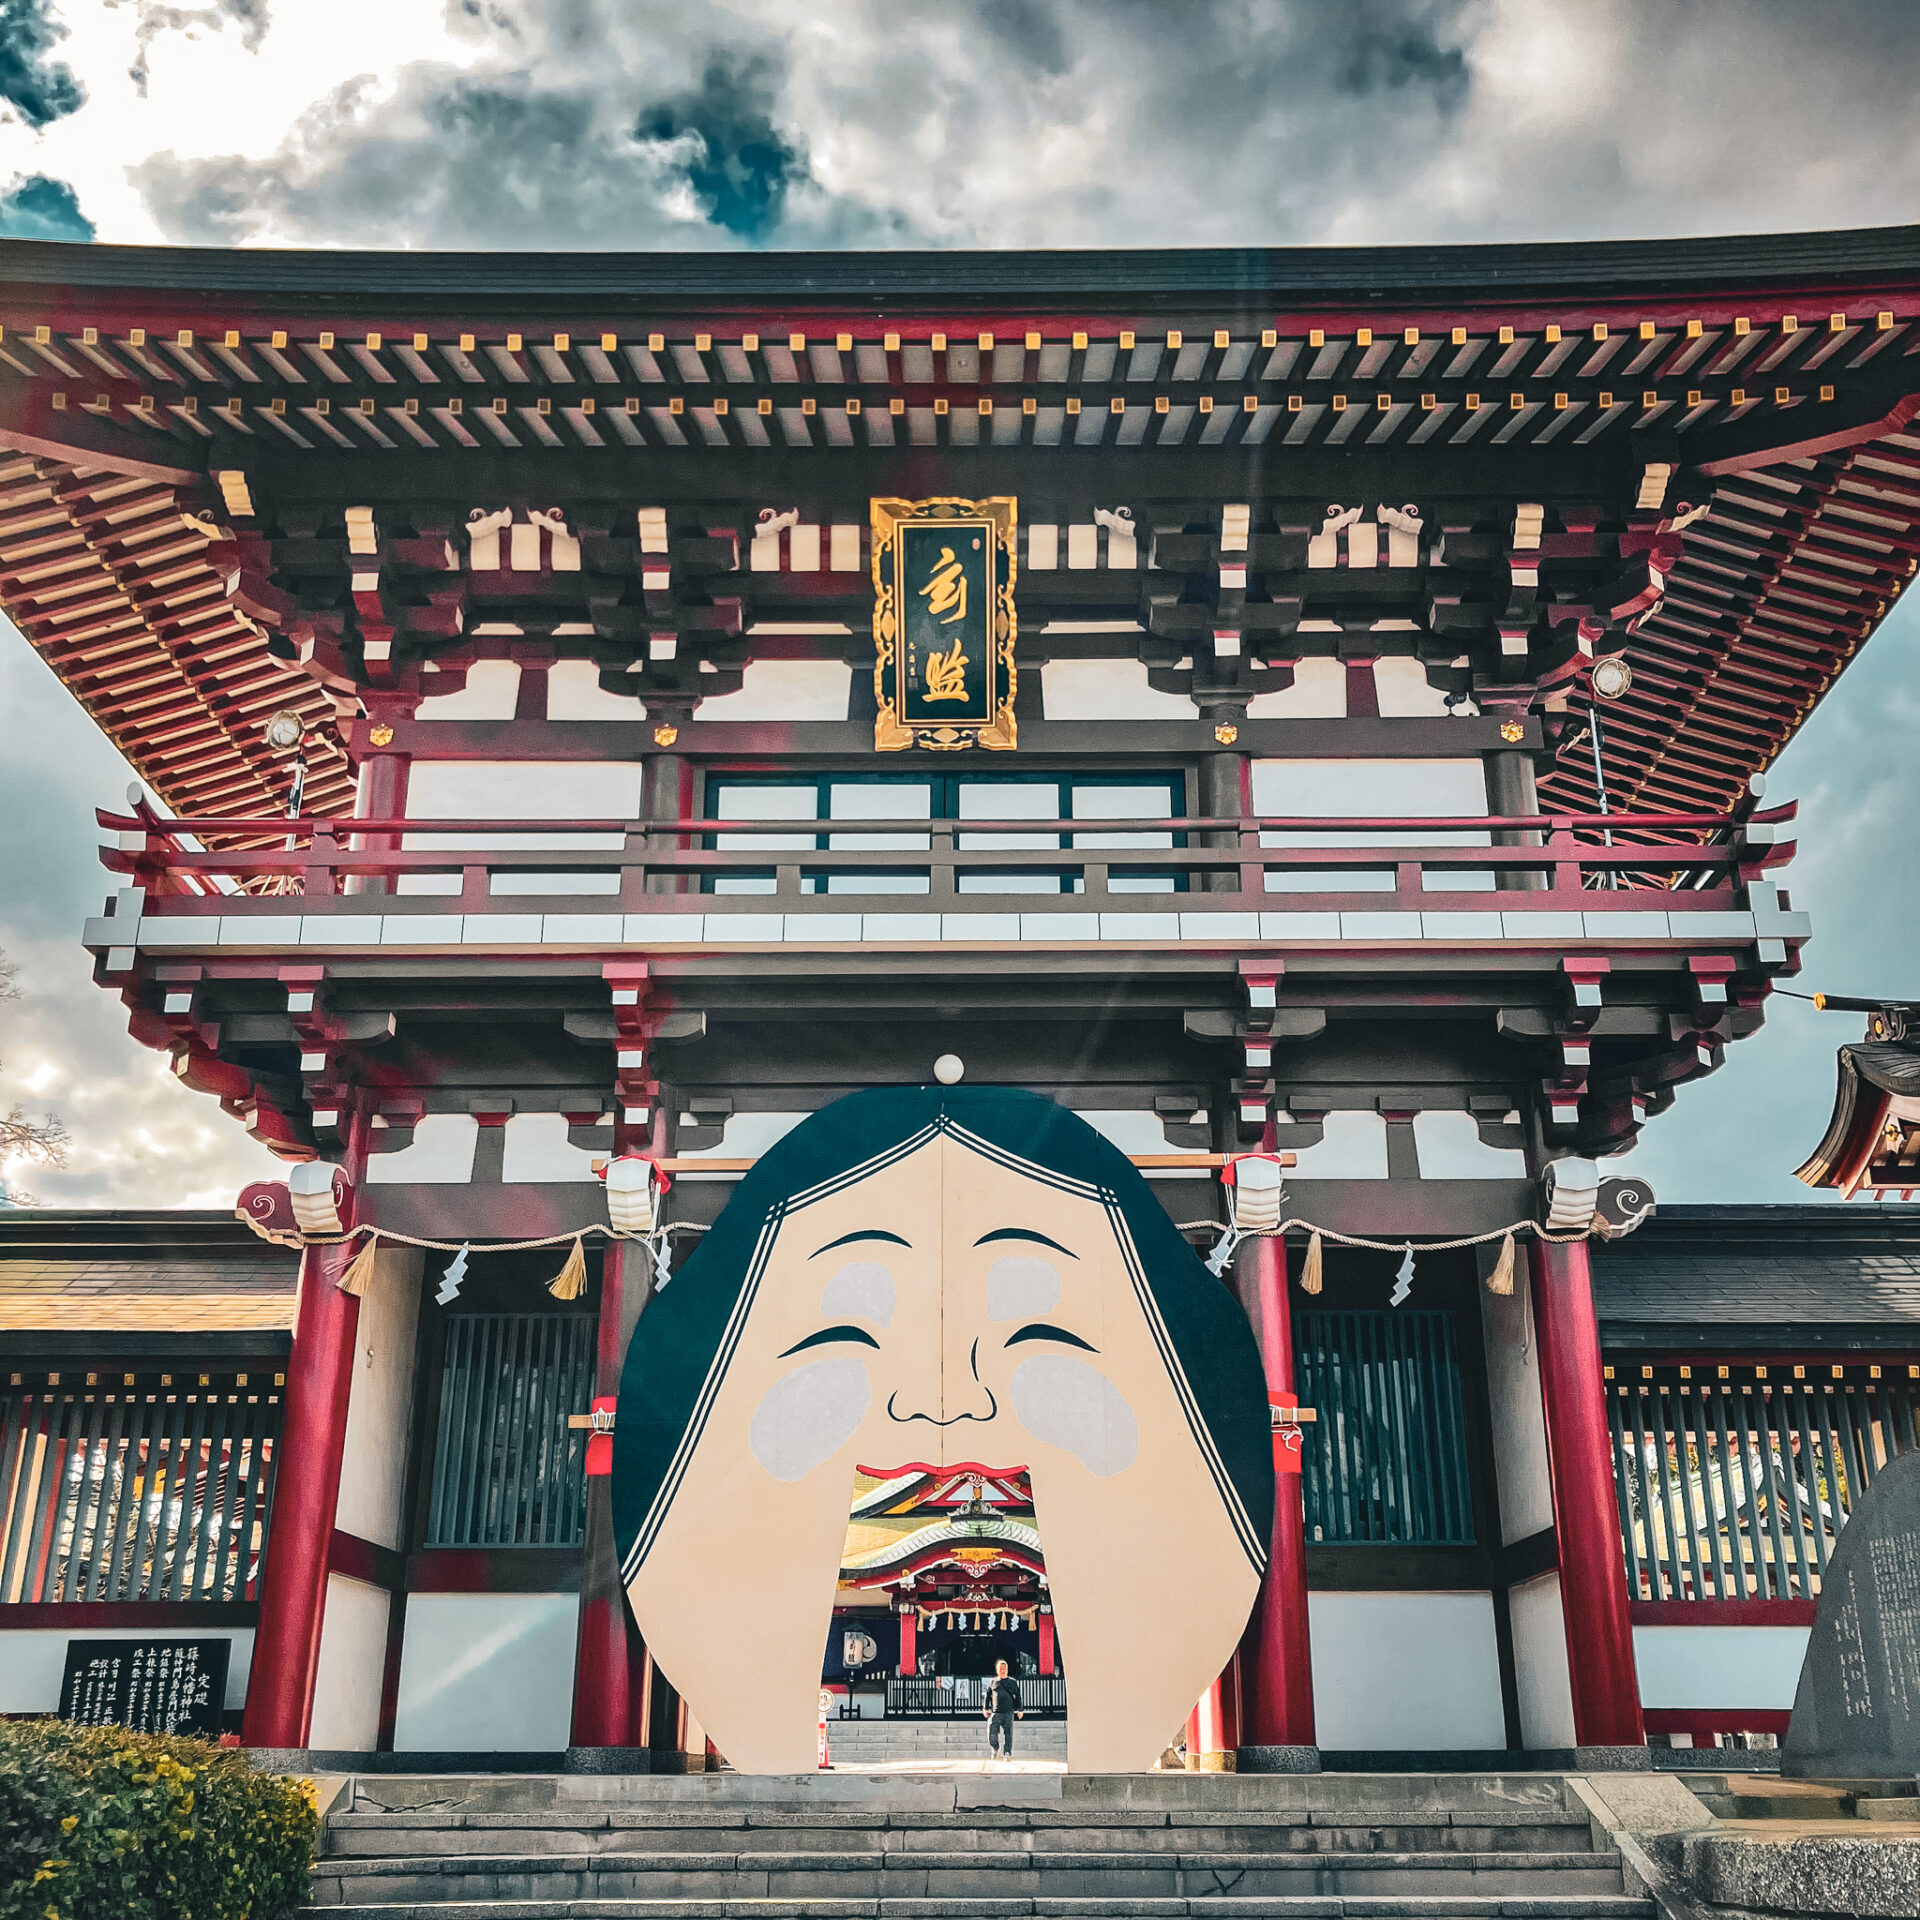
(43,1142)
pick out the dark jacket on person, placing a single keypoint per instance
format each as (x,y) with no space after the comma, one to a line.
(1003,1695)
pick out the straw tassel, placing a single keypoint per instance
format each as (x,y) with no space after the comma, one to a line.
(359,1274)
(1500,1280)
(1310,1267)
(571,1281)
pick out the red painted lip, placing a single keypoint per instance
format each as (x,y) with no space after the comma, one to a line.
(927,1466)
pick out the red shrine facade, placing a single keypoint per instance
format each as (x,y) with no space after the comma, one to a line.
(1352,751)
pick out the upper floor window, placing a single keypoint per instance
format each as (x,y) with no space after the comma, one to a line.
(1002,799)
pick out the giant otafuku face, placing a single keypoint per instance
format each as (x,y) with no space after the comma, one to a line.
(942,1277)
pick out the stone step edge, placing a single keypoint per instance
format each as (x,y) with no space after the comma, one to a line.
(1589,1906)
(983,1819)
(961,1861)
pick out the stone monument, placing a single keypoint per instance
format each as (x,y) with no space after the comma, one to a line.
(1856,1712)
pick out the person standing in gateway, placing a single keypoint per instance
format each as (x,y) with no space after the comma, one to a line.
(1002,1710)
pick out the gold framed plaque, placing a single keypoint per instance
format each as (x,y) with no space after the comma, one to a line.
(943,623)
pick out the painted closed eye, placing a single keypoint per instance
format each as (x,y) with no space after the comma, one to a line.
(827,1335)
(1041,1330)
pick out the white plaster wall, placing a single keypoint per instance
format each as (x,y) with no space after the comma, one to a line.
(537,1152)
(1401,690)
(1353,1147)
(785,690)
(32,1659)
(1107,690)
(1704,1667)
(1359,789)
(1400,1671)
(522,790)
(574,692)
(441,1154)
(1513,1391)
(1319,692)
(1543,1679)
(353,1665)
(491,693)
(1450,1148)
(373,1467)
(487,1673)
(746,1137)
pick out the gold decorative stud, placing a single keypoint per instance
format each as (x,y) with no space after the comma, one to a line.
(665,734)
(1512,730)
(380,735)
(1226,733)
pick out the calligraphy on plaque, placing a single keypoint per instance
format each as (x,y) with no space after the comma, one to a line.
(151,1686)
(943,623)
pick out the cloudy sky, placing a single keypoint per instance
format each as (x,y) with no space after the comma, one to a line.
(631,123)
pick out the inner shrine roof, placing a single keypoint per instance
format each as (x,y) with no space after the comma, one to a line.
(146,394)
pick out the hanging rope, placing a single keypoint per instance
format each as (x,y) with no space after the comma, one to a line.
(1390,1246)
(400,1239)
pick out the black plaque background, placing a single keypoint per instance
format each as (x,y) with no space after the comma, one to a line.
(1856,1712)
(121,1698)
(922,632)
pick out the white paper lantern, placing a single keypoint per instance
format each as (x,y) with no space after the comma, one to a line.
(316,1210)
(1256,1192)
(633,1194)
(1573,1191)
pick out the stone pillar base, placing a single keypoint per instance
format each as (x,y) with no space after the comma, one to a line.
(607,1760)
(1277,1759)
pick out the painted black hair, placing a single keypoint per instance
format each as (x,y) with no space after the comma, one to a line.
(666,1380)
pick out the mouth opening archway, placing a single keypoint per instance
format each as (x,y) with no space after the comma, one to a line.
(942,1576)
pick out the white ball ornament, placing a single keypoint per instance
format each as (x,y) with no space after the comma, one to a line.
(948,1069)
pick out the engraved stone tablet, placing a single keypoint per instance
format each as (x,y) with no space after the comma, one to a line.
(1857,1710)
(152,1686)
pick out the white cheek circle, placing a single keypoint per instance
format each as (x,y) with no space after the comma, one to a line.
(1020,1286)
(861,1290)
(805,1418)
(1068,1404)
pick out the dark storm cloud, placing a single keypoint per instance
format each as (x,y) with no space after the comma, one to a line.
(39,88)
(37,208)
(579,125)
(738,163)
(586,122)
(649,123)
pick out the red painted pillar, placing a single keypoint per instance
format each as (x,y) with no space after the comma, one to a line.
(382,796)
(1276,1661)
(306,1492)
(610,1662)
(1593,1581)
(909,1653)
(1049,1659)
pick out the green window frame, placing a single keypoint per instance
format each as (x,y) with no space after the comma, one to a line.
(946,794)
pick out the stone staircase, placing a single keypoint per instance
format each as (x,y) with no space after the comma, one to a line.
(879,1743)
(911,1847)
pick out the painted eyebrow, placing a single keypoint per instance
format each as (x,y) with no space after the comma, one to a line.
(1024,1233)
(1044,1330)
(827,1334)
(866,1233)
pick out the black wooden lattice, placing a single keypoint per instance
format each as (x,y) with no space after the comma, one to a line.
(157,1490)
(1385,1462)
(507,1472)
(1735,1481)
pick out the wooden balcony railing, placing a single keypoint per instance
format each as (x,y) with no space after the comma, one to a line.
(1541,861)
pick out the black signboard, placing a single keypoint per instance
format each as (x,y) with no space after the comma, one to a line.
(943,623)
(152,1686)
(1857,1710)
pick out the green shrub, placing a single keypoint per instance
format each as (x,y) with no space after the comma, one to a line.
(97,1823)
